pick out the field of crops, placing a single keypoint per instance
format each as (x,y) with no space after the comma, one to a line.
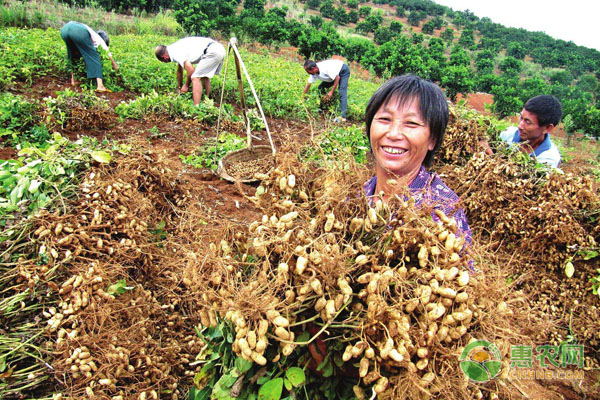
(130,270)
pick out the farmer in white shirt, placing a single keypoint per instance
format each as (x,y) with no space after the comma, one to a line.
(207,53)
(333,74)
(83,41)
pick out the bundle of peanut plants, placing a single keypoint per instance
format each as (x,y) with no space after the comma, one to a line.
(385,294)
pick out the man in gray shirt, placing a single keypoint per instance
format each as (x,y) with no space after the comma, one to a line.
(207,53)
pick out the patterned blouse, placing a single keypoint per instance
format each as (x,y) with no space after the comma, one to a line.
(428,188)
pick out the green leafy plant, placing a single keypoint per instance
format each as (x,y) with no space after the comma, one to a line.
(170,105)
(208,155)
(256,121)
(119,287)
(16,113)
(19,119)
(340,139)
(42,174)
(225,376)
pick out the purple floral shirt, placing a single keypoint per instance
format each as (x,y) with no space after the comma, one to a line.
(429,188)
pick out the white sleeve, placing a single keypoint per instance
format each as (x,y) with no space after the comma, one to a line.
(550,157)
(508,134)
(97,40)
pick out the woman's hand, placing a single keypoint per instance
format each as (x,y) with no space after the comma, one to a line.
(114,65)
(185,88)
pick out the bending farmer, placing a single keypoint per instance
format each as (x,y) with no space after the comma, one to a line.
(332,73)
(83,41)
(206,52)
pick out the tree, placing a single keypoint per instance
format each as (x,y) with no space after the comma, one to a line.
(485,82)
(371,23)
(201,17)
(355,48)
(447,35)
(314,4)
(353,16)
(364,11)
(467,40)
(592,115)
(273,27)
(436,52)
(486,54)
(341,16)
(438,22)
(588,83)
(510,66)
(507,99)
(428,27)
(295,28)
(531,87)
(382,35)
(484,66)
(327,9)
(315,21)
(568,127)
(352,3)
(415,18)
(561,77)
(319,44)
(396,27)
(400,56)
(516,50)
(255,8)
(417,38)
(490,44)
(459,57)
(457,79)
(362,27)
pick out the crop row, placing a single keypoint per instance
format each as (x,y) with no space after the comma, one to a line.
(31,54)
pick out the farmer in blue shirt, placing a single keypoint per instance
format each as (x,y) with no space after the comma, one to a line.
(540,115)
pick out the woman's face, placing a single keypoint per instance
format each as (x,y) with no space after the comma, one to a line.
(400,139)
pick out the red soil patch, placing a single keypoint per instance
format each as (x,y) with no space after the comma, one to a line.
(477,101)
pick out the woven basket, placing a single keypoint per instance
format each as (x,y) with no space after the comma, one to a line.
(240,165)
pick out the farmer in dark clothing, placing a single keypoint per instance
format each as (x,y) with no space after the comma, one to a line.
(83,41)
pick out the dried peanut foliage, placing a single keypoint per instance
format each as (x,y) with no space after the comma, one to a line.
(384,285)
(538,221)
(326,102)
(115,328)
(79,111)
(462,136)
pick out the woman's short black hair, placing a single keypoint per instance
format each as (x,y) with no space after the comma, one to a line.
(432,104)
(104,37)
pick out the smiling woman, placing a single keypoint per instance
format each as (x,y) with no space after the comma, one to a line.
(405,123)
